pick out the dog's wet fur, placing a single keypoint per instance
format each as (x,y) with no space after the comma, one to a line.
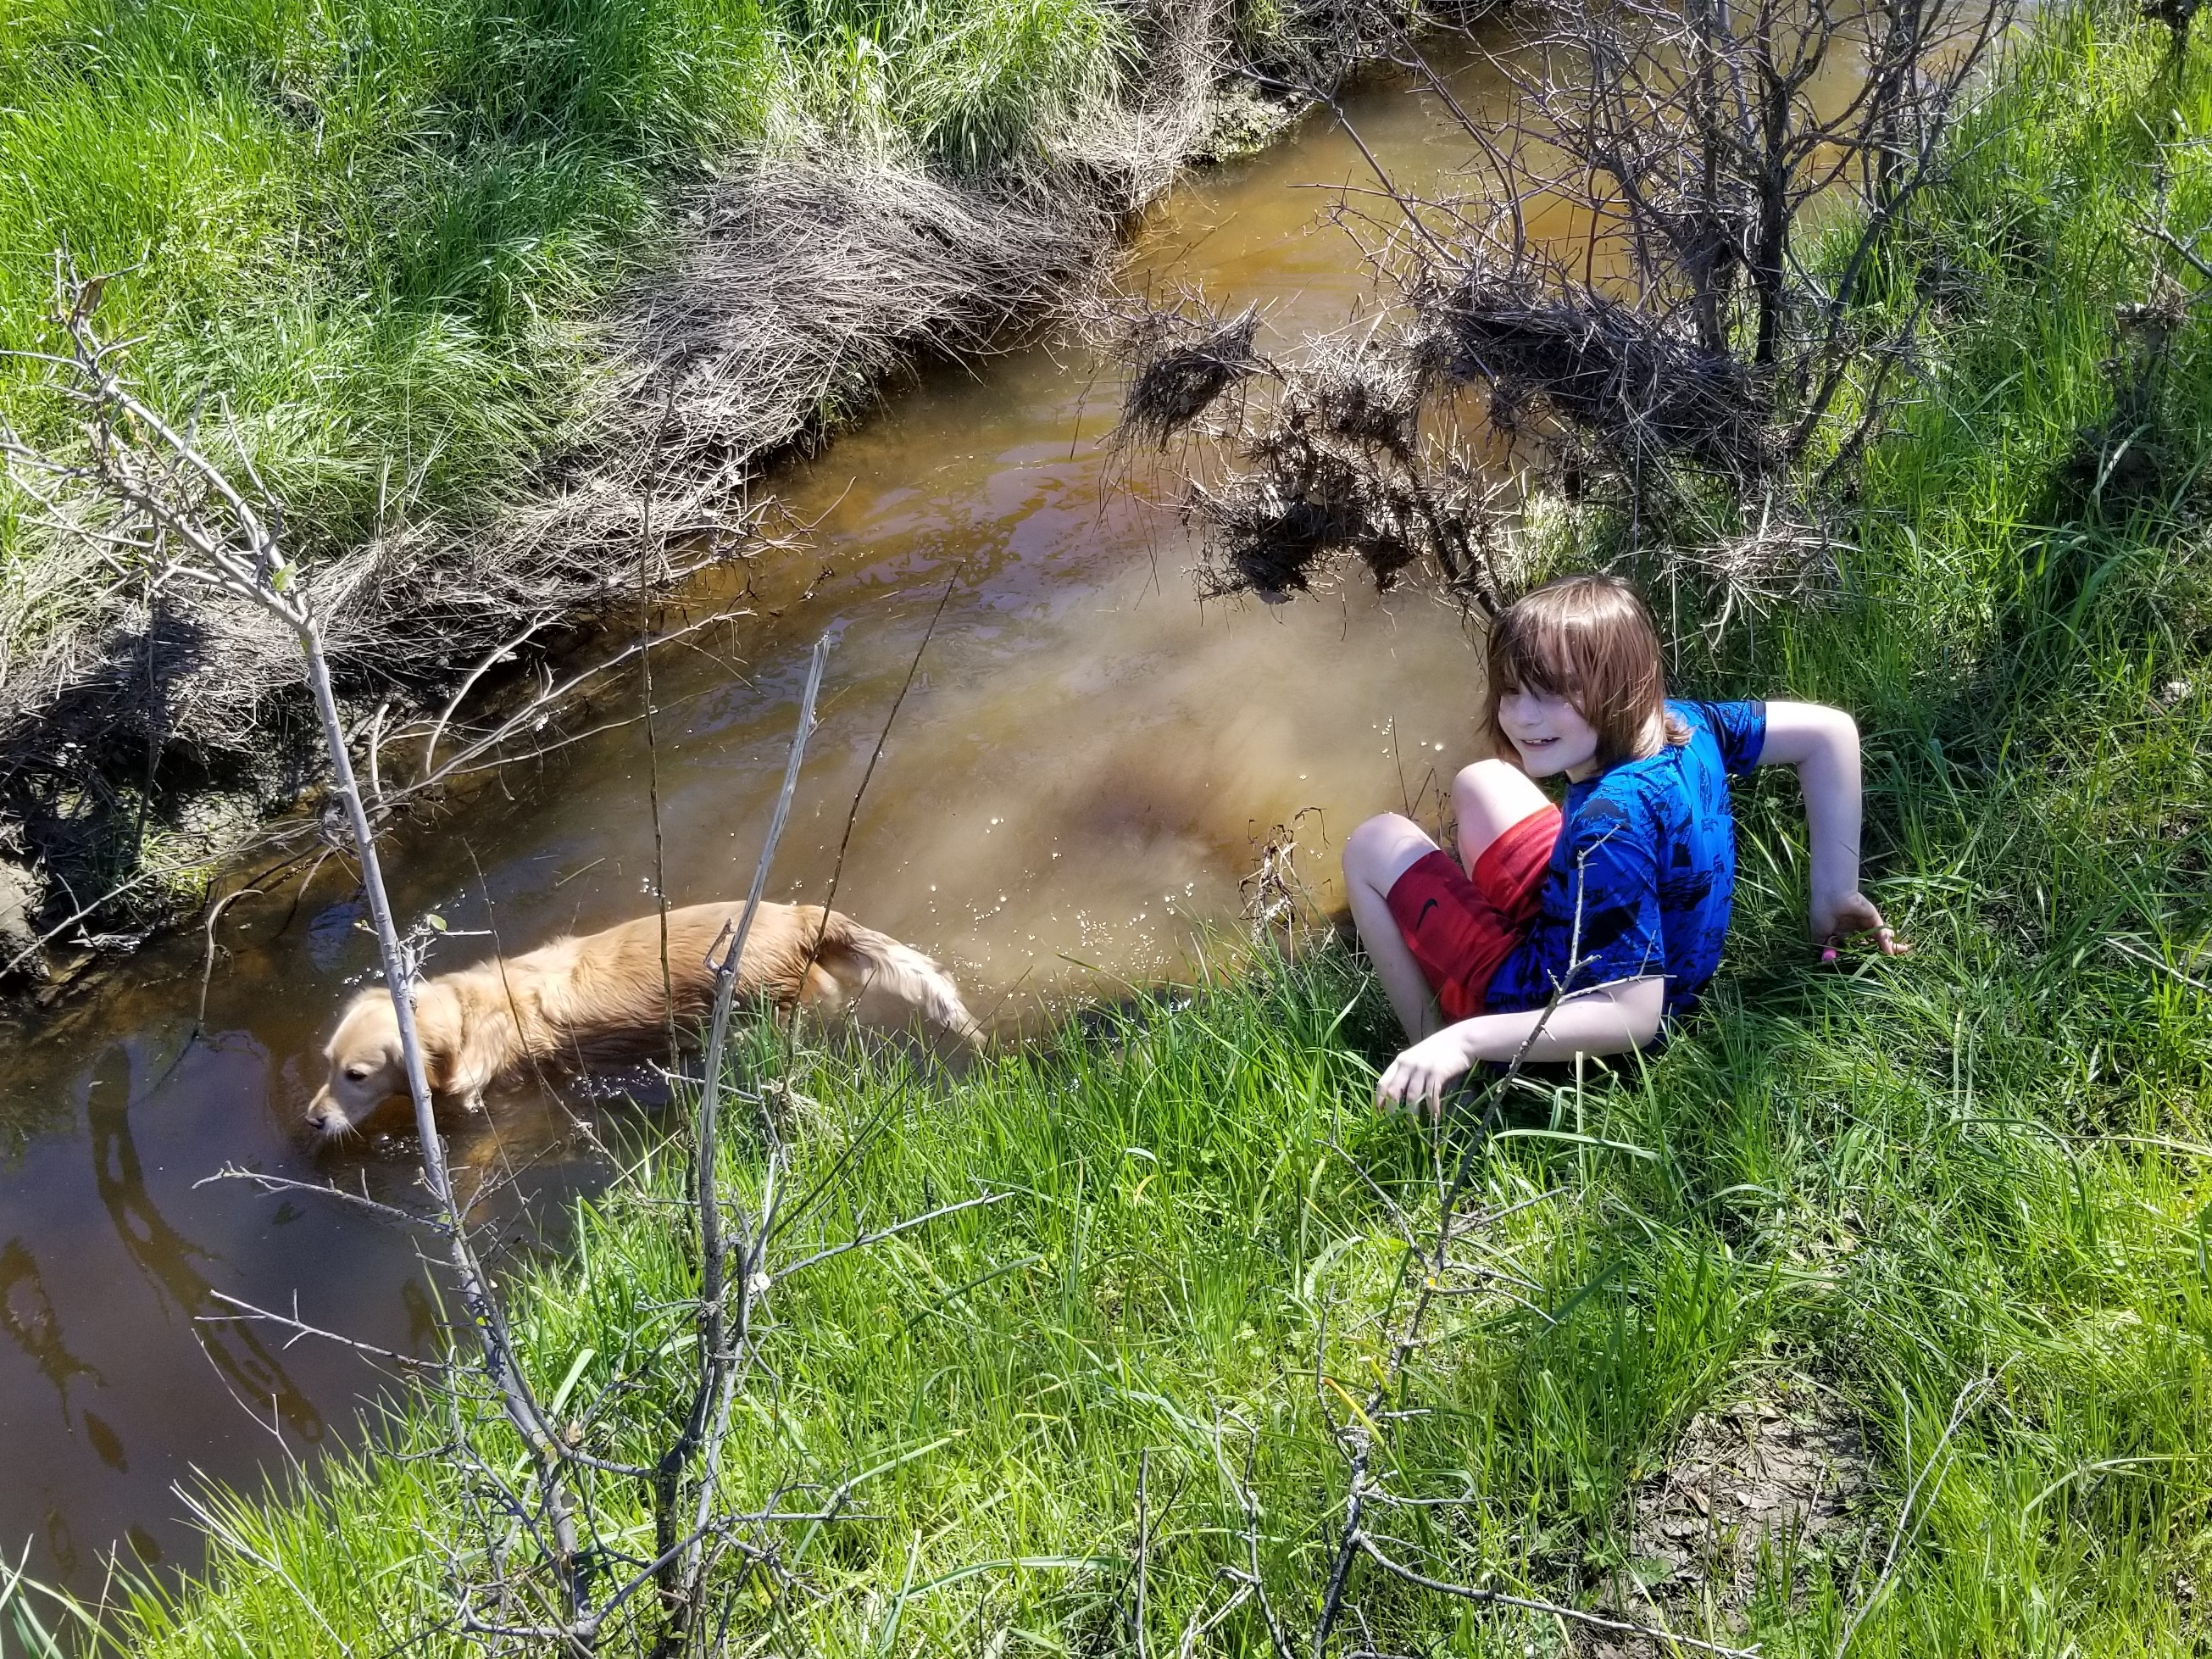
(491,1025)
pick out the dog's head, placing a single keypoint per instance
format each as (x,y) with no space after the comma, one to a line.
(367,1065)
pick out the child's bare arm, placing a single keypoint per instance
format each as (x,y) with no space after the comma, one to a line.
(1822,744)
(1609,1020)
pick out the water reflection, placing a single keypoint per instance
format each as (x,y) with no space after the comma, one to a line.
(166,1256)
(27,1314)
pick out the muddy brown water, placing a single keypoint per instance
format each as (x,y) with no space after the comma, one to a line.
(1088,767)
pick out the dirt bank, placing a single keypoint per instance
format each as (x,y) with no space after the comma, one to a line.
(164,736)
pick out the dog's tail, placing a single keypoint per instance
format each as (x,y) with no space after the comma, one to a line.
(891,984)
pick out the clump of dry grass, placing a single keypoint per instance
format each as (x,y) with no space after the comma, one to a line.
(813,277)
(1332,458)
(1636,386)
(1180,365)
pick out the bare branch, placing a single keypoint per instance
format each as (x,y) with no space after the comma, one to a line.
(706,1422)
(270,1183)
(300,1328)
(862,1241)
(1556,1609)
(500,653)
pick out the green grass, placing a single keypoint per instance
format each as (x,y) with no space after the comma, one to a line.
(385,230)
(1987,1162)
(1191,1200)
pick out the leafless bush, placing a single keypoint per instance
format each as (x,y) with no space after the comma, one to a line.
(1681,352)
(1787,556)
(178,519)
(1698,137)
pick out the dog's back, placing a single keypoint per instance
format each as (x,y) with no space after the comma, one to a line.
(608,984)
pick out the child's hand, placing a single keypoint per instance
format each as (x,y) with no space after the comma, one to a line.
(1837,920)
(1420,1074)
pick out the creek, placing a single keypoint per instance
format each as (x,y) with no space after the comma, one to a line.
(1090,765)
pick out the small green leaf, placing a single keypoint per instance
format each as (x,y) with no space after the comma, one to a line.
(1651,1570)
(436,921)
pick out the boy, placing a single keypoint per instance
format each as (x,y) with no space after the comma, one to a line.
(1617,904)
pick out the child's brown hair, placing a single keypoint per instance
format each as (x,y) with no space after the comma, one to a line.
(1588,638)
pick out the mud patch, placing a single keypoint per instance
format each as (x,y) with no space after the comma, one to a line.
(1786,1473)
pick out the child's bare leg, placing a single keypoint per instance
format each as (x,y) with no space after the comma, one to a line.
(1376,853)
(1489,798)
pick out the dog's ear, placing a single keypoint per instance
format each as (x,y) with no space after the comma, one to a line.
(438,1028)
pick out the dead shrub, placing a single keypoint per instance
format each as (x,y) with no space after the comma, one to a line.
(1639,387)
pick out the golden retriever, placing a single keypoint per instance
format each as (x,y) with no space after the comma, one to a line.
(488,1026)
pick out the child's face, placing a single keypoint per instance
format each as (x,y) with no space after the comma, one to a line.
(1549,733)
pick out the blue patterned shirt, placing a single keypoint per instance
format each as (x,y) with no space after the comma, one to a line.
(1649,847)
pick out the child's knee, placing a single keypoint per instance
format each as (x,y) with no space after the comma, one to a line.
(1381,842)
(1486,779)
(1491,796)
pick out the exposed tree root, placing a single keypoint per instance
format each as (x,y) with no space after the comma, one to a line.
(1180,365)
(1332,457)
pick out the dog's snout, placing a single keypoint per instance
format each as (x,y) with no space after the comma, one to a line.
(326,1116)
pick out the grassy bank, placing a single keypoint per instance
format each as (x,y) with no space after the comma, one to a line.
(383,230)
(1943,1219)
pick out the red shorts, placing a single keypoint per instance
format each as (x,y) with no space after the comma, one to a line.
(1462,928)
